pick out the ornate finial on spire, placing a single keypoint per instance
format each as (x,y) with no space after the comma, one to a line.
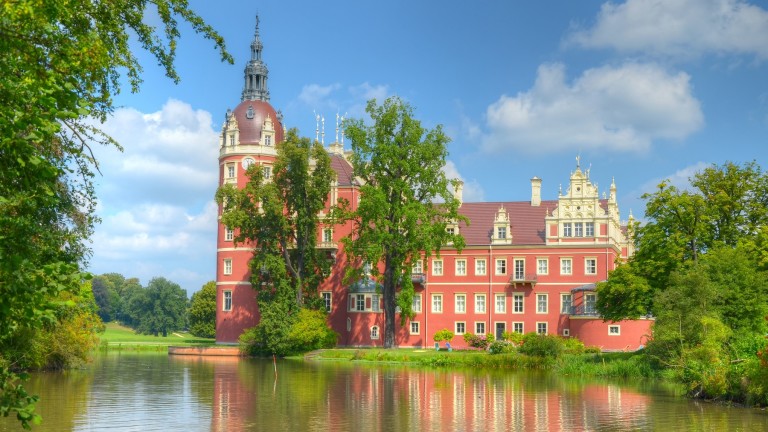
(342,129)
(337,127)
(317,126)
(578,161)
(322,133)
(256,71)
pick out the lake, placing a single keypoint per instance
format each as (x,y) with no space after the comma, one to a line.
(157,392)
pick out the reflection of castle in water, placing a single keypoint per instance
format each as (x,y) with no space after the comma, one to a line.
(343,397)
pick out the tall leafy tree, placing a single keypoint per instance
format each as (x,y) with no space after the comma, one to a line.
(406,201)
(60,65)
(202,311)
(162,308)
(280,217)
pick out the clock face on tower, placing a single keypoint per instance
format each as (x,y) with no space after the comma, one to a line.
(247,162)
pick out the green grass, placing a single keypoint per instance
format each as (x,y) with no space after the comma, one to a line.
(623,365)
(119,337)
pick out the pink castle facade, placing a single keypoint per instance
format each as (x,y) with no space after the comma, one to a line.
(528,266)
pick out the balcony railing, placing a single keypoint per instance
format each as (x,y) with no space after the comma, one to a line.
(584,310)
(418,278)
(523,279)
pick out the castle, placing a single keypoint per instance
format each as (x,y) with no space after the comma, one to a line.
(528,266)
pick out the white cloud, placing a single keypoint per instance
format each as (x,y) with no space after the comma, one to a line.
(473,191)
(156,198)
(315,94)
(678,28)
(615,108)
(334,98)
(679,179)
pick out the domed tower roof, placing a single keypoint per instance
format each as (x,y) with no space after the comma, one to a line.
(254,114)
(251,116)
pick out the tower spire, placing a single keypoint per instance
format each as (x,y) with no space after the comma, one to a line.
(256,71)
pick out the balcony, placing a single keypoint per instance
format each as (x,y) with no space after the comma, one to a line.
(588,310)
(419,278)
(524,279)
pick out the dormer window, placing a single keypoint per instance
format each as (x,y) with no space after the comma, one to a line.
(268,140)
(501,233)
(232,140)
(450,230)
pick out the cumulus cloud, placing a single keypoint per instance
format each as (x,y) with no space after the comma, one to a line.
(156,197)
(613,108)
(678,28)
(335,98)
(315,94)
(472,191)
(679,179)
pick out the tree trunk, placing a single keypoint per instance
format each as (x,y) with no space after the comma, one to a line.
(388,291)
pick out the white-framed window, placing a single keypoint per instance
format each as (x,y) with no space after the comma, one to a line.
(416,303)
(480,267)
(268,140)
(461,267)
(590,303)
(461,303)
(415,328)
(589,229)
(566,332)
(567,229)
(480,327)
(517,303)
(349,324)
(541,328)
(327,235)
(501,232)
(566,302)
(461,327)
(517,327)
(450,230)
(501,303)
(226,305)
(437,267)
(227,266)
(479,303)
(437,303)
(229,234)
(542,266)
(232,140)
(501,266)
(418,267)
(365,303)
(590,266)
(542,303)
(326,300)
(566,266)
(231,170)
(614,330)
(375,332)
(578,229)
(519,268)
(266,171)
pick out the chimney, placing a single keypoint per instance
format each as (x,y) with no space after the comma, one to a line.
(458,191)
(535,192)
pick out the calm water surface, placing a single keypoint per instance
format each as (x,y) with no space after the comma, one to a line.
(155,392)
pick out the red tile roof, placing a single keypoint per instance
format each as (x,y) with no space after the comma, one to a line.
(526,221)
(343,169)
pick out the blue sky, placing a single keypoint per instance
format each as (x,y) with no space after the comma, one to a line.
(643,90)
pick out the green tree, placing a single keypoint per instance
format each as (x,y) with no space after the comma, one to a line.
(398,217)
(60,67)
(280,216)
(624,295)
(163,309)
(202,311)
(107,298)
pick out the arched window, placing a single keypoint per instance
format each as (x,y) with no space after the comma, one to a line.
(375,332)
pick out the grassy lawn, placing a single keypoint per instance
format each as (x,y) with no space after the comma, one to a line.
(118,336)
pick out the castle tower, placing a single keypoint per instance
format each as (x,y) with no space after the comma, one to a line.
(249,136)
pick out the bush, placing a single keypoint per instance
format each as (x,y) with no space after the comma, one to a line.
(542,345)
(443,335)
(476,341)
(501,347)
(514,337)
(283,334)
(573,346)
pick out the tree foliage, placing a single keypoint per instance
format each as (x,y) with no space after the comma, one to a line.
(202,311)
(279,216)
(161,308)
(624,295)
(60,67)
(398,218)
